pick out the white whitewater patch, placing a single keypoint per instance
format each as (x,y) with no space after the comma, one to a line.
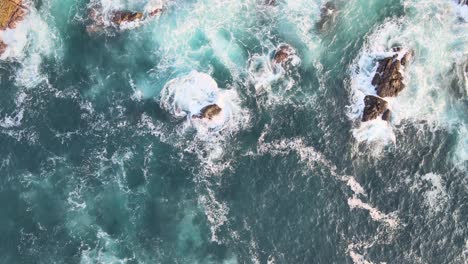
(106,251)
(265,72)
(374,213)
(185,97)
(10,121)
(215,211)
(436,196)
(433,189)
(311,157)
(431,29)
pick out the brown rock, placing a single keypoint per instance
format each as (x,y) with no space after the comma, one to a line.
(388,80)
(374,107)
(208,112)
(120,17)
(283,54)
(387,115)
(3,47)
(11,12)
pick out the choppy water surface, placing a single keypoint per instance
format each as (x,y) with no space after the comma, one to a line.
(103,161)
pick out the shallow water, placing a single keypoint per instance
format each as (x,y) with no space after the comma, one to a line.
(102,162)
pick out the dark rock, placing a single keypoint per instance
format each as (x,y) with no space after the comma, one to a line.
(374,107)
(388,80)
(208,112)
(387,115)
(463,2)
(120,17)
(284,55)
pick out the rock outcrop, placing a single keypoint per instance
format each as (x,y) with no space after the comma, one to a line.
(11,13)
(208,112)
(375,107)
(388,82)
(115,19)
(463,2)
(120,17)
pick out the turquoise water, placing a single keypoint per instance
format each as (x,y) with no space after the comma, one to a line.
(101,162)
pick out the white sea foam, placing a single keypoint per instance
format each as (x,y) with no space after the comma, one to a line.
(265,72)
(374,213)
(215,211)
(433,31)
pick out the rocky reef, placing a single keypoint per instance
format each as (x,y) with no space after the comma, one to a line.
(388,82)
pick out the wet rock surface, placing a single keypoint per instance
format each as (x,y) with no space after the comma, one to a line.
(388,79)
(208,112)
(100,21)
(375,107)
(120,17)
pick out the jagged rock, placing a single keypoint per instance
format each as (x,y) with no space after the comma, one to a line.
(120,17)
(208,112)
(463,2)
(388,80)
(327,15)
(374,107)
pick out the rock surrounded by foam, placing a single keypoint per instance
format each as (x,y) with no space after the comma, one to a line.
(374,107)
(11,13)
(194,96)
(117,19)
(388,82)
(388,78)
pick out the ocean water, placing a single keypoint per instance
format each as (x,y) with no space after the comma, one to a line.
(102,161)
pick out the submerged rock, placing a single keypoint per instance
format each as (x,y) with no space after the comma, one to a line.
(208,112)
(11,13)
(388,80)
(374,107)
(327,16)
